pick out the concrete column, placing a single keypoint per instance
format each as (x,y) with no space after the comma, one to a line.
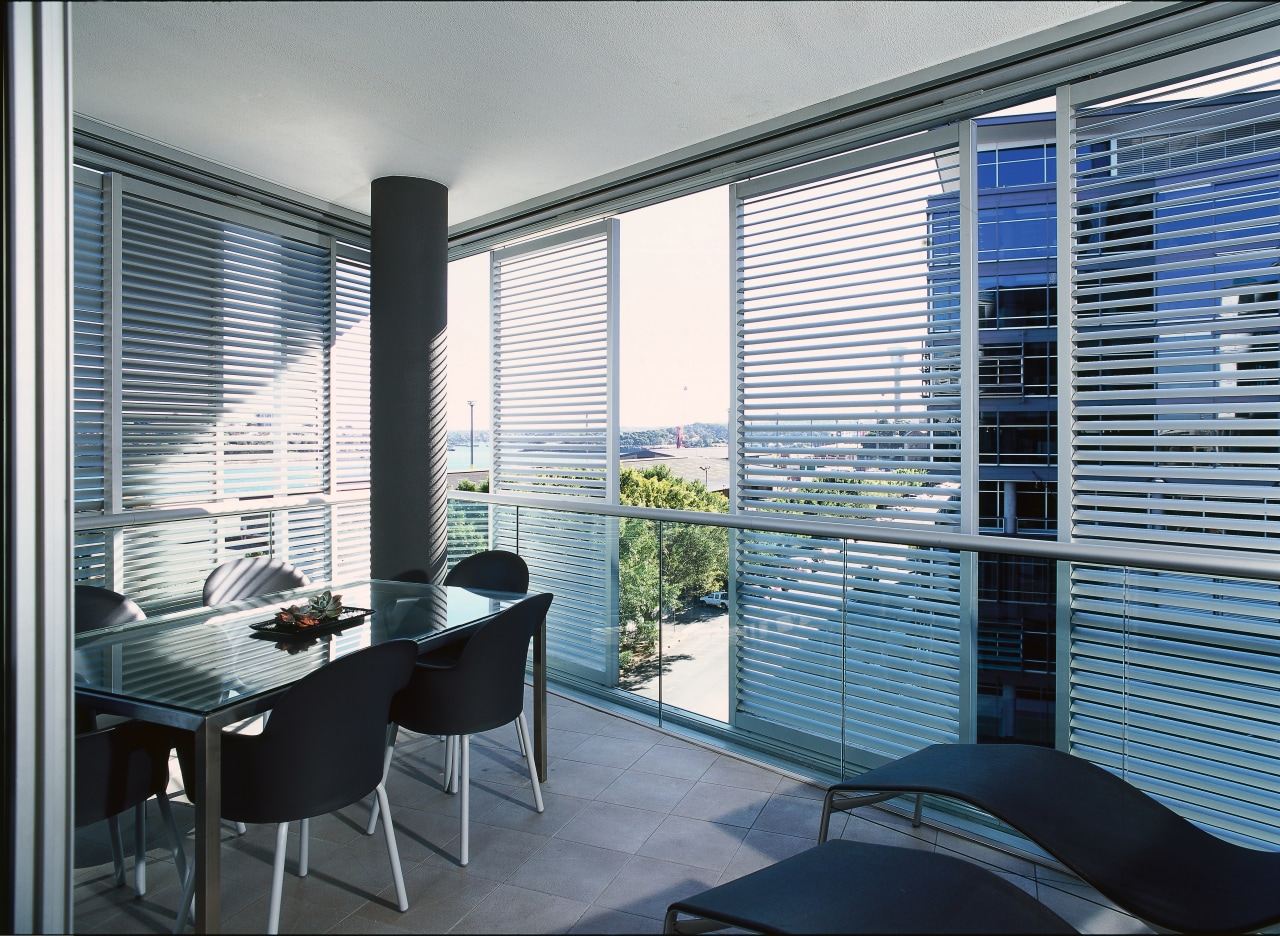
(408,439)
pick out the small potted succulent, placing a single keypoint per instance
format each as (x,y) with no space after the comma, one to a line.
(321,609)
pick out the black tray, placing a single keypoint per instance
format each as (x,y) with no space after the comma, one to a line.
(275,629)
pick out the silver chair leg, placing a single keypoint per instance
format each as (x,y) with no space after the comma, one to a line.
(187,907)
(140,849)
(464,796)
(277,878)
(386,770)
(915,818)
(392,852)
(524,750)
(304,846)
(117,848)
(522,729)
(175,838)
(240,828)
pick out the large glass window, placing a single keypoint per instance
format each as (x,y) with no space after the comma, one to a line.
(222,363)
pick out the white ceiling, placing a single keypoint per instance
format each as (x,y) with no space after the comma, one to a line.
(502,102)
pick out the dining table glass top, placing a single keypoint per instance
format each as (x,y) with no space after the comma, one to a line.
(199,661)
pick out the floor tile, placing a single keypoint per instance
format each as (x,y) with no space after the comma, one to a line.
(420,833)
(686,763)
(496,853)
(578,718)
(729,771)
(760,849)
(796,788)
(621,828)
(646,791)
(646,886)
(574,778)
(629,730)
(561,742)
(600,920)
(694,842)
(725,804)
(511,909)
(520,814)
(570,869)
(790,815)
(609,752)
(438,898)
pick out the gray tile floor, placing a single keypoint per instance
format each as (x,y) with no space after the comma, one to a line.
(634,820)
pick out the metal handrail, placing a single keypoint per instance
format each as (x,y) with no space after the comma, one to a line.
(87,521)
(1233,564)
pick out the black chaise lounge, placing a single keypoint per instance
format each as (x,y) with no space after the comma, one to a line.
(1136,851)
(858,887)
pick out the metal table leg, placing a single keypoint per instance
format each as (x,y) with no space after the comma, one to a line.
(208,869)
(540,702)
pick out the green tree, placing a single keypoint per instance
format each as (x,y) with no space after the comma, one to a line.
(467,523)
(693,559)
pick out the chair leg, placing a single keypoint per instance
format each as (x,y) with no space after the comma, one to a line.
(277,878)
(187,907)
(304,847)
(140,849)
(524,751)
(392,852)
(915,818)
(117,848)
(240,828)
(448,763)
(386,769)
(522,729)
(175,839)
(464,795)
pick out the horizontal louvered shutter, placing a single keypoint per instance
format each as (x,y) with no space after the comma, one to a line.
(1174,202)
(848,399)
(89,378)
(554,431)
(239,354)
(224,334)
(349,413)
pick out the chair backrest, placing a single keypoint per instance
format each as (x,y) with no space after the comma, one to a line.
(249,578)
(100,607)
(96,608)
(322,747)
(493,570)
(117,768)
(485,689)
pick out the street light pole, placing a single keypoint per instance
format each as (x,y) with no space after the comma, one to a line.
(472,404)
(706,477)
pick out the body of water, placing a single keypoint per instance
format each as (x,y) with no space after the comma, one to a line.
(460,457)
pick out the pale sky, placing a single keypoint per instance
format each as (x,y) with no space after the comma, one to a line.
(674,292)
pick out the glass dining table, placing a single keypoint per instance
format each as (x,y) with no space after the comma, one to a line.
(204,669)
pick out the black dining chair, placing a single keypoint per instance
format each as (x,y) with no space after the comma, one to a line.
(96,608)
(321,750)
(483,690)
(491,570)
(119,768)
(250,577)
